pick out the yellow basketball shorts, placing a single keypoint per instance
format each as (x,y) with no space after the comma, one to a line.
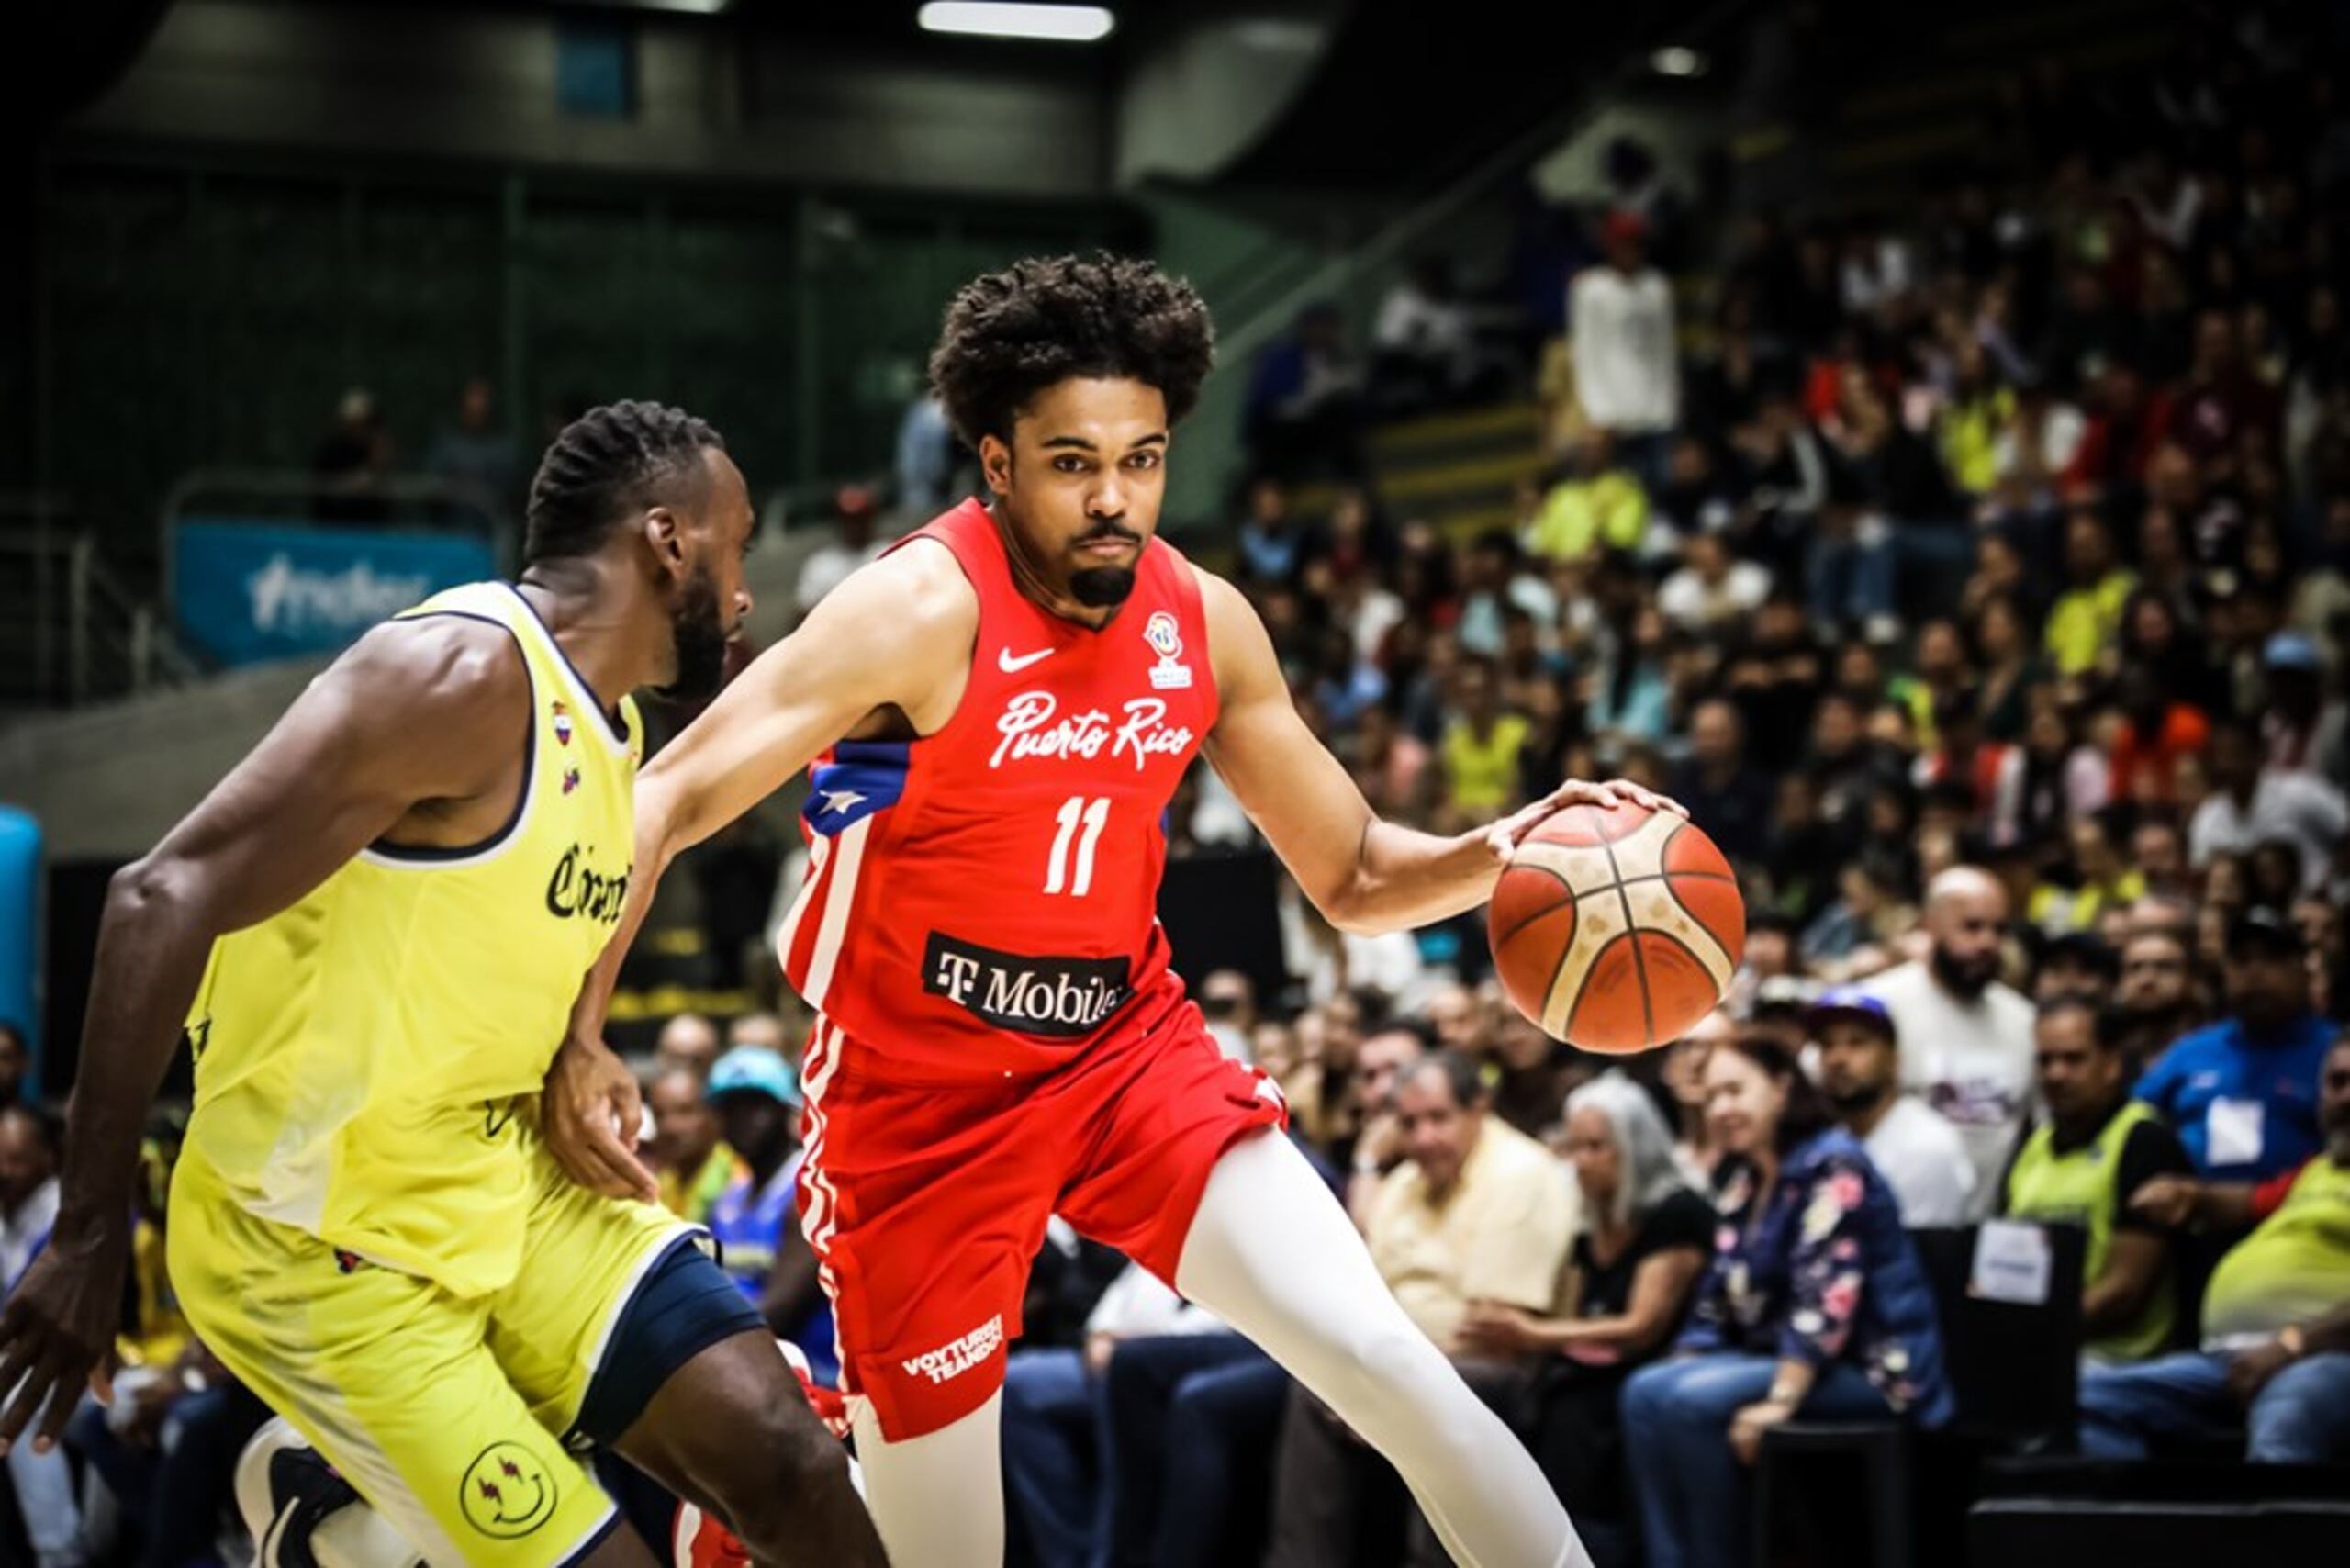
(447,1414)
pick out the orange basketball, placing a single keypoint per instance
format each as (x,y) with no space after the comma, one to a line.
(1616,929)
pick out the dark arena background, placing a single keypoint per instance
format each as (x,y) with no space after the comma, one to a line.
(1916,438)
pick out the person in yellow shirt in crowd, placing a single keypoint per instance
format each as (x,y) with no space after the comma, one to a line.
(2101,880)
(1478,1212)
(2276,1357)
(1480,748)
(2084,625)
(691,1164)
(1596,505)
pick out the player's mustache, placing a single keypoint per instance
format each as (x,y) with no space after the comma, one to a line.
(1109,531)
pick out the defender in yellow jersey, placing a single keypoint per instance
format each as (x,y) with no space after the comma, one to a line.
(373,932)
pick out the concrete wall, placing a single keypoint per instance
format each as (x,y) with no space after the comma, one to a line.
(711,100)
(1203,93)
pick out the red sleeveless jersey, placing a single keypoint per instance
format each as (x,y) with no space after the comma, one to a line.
(983,901)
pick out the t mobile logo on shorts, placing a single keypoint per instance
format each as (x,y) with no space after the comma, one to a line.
(953,1360)
(1065,997)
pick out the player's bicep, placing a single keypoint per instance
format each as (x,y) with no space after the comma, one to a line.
(893,634)
(404,718)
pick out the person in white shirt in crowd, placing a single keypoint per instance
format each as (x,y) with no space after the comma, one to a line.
(1915,1149)
(1966,1042)
(1229,1001)
(1628,364)
(2249,804)
(854,513)
(1712,589)
(43,1482)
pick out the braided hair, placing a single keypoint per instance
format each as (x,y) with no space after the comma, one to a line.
(1011,334)
(608,463)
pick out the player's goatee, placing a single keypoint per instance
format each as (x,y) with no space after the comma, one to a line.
(1098,587)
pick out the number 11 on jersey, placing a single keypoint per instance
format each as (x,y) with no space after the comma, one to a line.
(1074,811)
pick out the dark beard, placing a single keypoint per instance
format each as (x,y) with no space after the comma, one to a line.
(1961,980)
(1859,1100)
(1101,587)
(698,630)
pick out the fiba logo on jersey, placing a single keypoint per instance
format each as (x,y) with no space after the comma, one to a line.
(1169,674)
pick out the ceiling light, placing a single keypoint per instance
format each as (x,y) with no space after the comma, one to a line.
(1061,24)
(1677,61)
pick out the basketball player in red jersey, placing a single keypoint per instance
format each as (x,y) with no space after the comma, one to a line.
(997,711)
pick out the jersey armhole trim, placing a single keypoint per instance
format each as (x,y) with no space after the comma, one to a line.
(434,858)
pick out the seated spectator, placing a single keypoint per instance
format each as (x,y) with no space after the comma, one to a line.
(856,513)
(1595,506)
(1630,690)
(1968,1052)
(2079,965)
(16,1064)
(1633,1264)
(30,1144)
(1273,545)
(165,1449)
(1533,1075)
(1303,408)
(474,456)
(1054,1429)
(767,1032)
(2243,1093)
(2275,1355)
(757,1219)
(2156,996)
(1684,1076)
(2087,617)
(691,1164)
(2306,728)
(1719,786)
(1711,591)
(2082,1165)
(2250,804)
(1478,1212)
(1373,1146)
(1481,746)
(1814,1302)
(689,1041)
(1915,1149)
(2099,879)
(2159,850)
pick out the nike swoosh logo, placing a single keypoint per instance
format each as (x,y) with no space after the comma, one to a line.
(1010,666)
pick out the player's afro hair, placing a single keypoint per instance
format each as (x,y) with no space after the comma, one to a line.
(1011,334)
(607,464)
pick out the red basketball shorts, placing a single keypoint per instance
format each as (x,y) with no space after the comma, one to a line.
(926,1202)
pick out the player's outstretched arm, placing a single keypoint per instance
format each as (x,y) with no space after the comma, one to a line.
(894,636)
(1365,875)
(415,711)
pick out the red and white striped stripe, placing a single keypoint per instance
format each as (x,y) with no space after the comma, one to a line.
(829,892)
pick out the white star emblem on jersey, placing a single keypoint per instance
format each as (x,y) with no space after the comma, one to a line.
(841,799)
(1011,665)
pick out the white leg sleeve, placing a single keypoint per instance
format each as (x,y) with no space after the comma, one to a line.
(937,1499)
(1272,1254)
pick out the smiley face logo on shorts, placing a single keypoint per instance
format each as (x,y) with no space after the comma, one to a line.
(506,1492)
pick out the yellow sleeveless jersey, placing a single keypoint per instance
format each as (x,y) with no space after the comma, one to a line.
(360,1057)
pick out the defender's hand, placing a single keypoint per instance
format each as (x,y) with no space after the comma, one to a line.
(57,1333)
(589,1112)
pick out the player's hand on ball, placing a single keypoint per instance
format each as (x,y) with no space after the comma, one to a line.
(1503,835)
(57,1332)
(590,1111)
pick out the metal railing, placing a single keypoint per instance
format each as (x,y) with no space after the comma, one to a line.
(79,632)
